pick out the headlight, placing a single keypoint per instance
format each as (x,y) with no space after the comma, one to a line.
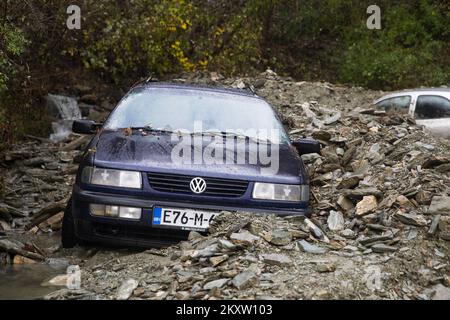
(115,211)
(111,177)
(283,192)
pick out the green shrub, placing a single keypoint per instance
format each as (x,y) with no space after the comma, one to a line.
(410,49)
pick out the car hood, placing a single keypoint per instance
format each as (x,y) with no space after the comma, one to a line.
(153,152)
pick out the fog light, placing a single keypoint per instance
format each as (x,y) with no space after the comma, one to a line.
(130,213)
(112,211)
(115,211)
(97,209)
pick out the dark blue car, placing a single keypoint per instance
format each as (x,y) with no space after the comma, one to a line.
(170,157)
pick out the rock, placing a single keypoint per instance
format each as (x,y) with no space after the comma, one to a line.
(404,202)
(440,204)
(18,259)
(366,241)
(441,292)
(321,135)
(443,168)
(444,228)
(215,261)
(348,182)
(219,283)
(310,248)
(245,280)
(325,267)
(279,237)
(335,221)
(207,252)
(333,118)
(82,89)
(89,99)
(412,219)
(423,197)
(244,238)
(276,259)
(126,289)
(259,83)
(60,280)
(85,109)
(434,225)
(194,235)
(348,233)
(345,203)
(382,248)
(315,230)
(366,205)
(360,193)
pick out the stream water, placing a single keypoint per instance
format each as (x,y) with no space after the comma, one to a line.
(68,110)
(24,282)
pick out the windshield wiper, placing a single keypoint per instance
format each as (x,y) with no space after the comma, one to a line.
(150,129)
(230,134)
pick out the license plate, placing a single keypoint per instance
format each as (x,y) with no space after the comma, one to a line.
(184,219)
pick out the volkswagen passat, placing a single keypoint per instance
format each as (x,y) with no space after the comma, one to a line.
(171,157)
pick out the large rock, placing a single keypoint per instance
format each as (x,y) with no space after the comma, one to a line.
(412,219)
(440,204)
(366,205)
(126,289)
(310,248)
(245,280)
(244,238)
(345,203)
(348,182)
(335,221)
(276,259)
(279,237)
(383,248)
(219,283)
(444,228)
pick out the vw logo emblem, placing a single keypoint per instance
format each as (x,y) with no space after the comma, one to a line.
(197,185)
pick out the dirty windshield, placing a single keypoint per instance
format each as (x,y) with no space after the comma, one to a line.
(196,111)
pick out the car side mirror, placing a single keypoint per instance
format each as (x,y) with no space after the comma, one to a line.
(306,146)
(85,126)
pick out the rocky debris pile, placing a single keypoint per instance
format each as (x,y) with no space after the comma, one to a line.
(37,181)
(380,228)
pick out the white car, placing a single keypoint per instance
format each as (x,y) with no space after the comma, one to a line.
(429,107)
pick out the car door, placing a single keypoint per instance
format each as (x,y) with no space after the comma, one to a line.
(395,105)
(433,112)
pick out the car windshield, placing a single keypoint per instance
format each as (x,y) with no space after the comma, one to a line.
(195,111)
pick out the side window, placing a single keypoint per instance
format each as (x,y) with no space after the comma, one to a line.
(432,107)
(396,104)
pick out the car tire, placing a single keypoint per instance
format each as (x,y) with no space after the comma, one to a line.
(68,237)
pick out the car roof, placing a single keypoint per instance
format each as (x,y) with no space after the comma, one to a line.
(444,91)
(189,86)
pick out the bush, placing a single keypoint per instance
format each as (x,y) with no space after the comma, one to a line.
(409,51)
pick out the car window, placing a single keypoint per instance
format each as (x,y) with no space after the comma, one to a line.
(180,109)
(400,104)
(432,107)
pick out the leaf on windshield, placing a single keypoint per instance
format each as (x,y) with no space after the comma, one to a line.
(127,131)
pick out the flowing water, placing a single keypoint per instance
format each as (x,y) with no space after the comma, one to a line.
(68,110)
(25,281)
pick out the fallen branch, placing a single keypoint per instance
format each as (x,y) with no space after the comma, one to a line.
(12,211)
(76,143)
(46,213)
(18,248)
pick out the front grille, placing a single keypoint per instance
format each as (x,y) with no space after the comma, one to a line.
(215,187)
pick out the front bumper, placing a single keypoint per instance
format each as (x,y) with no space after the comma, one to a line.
(141,232)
